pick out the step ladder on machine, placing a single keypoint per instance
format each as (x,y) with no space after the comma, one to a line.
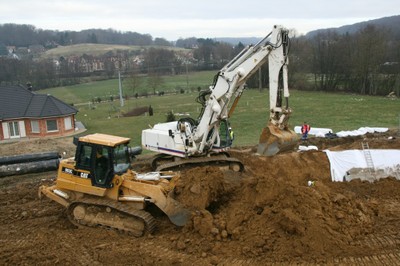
(368,157)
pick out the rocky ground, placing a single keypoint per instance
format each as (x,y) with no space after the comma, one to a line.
(266,215)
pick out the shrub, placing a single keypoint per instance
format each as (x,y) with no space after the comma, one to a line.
(170,116)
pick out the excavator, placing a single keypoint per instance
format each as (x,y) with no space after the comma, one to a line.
(206,140)
(98,188)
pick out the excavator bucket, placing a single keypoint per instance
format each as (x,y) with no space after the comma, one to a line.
(274,140)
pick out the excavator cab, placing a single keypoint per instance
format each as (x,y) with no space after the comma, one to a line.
(225,135)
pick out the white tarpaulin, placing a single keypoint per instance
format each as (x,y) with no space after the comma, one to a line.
(318,132)
(342,161)
(361,131)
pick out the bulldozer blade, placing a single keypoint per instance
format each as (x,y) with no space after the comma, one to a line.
(176,212)
(274,140)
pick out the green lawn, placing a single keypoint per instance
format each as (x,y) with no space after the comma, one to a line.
(96,49)
(335,111)
(85,92)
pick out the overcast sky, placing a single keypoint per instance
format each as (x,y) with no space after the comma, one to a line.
(174,19)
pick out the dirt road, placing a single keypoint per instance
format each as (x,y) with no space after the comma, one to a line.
(266,215)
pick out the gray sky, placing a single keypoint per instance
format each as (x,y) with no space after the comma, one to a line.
(187,18)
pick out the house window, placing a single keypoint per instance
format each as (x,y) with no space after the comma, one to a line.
(51,125)
(35,126)
(14,129)
(67,123)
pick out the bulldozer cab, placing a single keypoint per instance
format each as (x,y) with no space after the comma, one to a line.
(102,158)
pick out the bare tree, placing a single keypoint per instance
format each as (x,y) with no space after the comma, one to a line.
(134,80)
(368,57)
(326,61)
(155,81)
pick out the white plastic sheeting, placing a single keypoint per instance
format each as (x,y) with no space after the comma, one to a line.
(318,132)
(362,131)
(342,161)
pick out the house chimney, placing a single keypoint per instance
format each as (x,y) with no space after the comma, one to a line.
(29,86)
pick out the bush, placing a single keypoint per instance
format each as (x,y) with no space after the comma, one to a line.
(170,116)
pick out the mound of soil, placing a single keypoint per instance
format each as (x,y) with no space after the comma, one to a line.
(138,111)
(268,214)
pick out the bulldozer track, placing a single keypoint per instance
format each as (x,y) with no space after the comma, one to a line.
(385,250)
(388,246)
(84,257)
(219,160)
(147,218)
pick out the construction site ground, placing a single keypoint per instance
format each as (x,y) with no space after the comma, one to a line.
(266,215)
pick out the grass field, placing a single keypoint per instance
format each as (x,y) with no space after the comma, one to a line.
(96,49)
(85,92)
(327,110)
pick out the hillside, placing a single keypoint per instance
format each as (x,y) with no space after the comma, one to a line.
(97,49)
(235,41)
(392,23)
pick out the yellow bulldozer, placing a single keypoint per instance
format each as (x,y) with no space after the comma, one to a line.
(99,188)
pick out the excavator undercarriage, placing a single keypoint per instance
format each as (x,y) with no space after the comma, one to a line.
(163,162)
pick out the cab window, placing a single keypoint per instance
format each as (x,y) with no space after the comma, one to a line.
(83,156)
(121,159)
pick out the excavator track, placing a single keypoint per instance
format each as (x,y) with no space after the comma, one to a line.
(93,212)
(219,160)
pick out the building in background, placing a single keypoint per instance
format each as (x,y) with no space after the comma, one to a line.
(24,114)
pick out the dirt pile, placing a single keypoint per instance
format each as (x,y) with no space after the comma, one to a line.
(267,214)
(63,146)
(139,111)
(270,211)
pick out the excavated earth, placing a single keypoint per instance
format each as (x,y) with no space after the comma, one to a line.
(267,215)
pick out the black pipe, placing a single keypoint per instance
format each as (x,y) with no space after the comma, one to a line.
(26,158)
(28,167)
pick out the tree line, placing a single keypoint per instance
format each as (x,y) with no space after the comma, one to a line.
(26,35)
(365,62)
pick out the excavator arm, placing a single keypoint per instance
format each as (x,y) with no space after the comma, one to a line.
(232,78)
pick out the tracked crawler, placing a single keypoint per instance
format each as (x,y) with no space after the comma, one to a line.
(98,188)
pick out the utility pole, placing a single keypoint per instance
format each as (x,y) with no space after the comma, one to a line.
(187,77)
(121,98)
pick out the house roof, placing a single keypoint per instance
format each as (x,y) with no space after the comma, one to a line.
(19,102)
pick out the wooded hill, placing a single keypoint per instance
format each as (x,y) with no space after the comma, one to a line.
(366,61)
(389,23)
(26,35)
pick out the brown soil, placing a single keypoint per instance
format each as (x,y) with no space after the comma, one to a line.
(265,215)
(137,111)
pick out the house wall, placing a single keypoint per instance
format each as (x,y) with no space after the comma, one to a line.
(61,130)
